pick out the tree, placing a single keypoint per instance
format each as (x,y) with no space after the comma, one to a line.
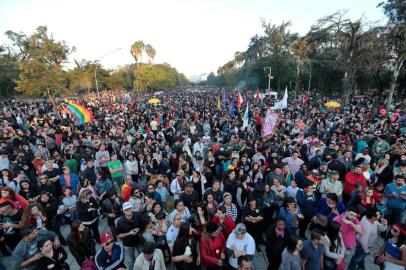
(395,37)
(157,77)
(150,51)
(300,51)
(8,71)
(41,59)
(136,51)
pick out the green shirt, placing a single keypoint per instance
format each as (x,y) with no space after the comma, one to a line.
(115,165)
(73,165)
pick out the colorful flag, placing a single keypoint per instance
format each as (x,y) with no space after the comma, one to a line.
(245,118)
(283,103)
(231,108)
(305,98)
(240,100)
(257,94)
(224,100)
(82,114)
(271,121)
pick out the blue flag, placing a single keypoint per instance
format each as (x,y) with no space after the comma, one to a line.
(231,108)
(224,100)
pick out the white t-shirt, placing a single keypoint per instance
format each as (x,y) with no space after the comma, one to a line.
(247,244)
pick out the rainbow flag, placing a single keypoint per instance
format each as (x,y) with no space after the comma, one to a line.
(82,113)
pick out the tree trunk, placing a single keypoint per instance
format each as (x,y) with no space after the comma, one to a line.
(297,81)
(396,70)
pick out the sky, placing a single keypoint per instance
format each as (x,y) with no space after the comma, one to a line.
(194,36)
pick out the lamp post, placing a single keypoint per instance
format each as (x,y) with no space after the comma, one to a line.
(95,67)
(269,77)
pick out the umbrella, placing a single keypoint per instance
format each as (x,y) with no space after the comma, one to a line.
(154,101)
(332,104)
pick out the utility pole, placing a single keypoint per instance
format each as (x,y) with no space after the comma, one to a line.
(269,77)
(95,67)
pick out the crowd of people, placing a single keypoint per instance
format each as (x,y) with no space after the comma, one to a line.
(182,183)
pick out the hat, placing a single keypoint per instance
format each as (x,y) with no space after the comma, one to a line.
(180,173)
(315,172)
(106,236)
(211,227)
(27,230)
(127,205)
(240,228)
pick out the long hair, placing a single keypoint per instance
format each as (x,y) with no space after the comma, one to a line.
(333,235)
(27,217)
(184,233)
(78,238)
(12,194)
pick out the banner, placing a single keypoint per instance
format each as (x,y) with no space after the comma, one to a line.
(270,123)
(245,118)
(283,103)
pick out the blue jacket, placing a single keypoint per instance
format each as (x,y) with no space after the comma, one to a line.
(306,203)
(74,182)
(325,210)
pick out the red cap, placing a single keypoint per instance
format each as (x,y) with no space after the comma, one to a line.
(106,236)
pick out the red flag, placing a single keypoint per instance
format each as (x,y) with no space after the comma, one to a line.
(305,98)
(240,100)
(257,95)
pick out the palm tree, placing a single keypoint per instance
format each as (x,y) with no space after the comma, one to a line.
(150,51)
(136,51)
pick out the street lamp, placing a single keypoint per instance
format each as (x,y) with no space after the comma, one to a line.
(269,77)
(95,67)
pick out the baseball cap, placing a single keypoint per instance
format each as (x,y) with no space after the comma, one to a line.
(240,228)
(105,237)
(127,205)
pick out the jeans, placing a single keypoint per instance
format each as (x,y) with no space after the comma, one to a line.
(130,254)
(358,259)
(396,215)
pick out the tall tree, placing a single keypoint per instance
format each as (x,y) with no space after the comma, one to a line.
(395,34)
(136,51)
(41,59)
(150,51)
(300,51)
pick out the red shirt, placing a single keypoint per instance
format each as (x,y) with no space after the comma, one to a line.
(229,225)
(351,179)
(211,249)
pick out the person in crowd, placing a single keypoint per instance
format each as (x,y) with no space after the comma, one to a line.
(53,257)
(180,209)
(81,242)
(334,248)
(103,184)
(28,191)
(372,224)
(111,207)
(8,194)
(307,200)
(137,199)
(162,191)
(215,191)
(212,247)
(150,258)
(331,184)
(173,231)
(69,202)
(70,179)
(26,254)
(395,194)
(351,178)
(44,184)
(291,259)
(49,206)
(253,219)
(244,263)
(330,206)
(11,224)
(127,229)
(279,191)
(88,212)
(34,216)
(290,212)
(392,254)
(225,222)
(185,250)
(350,227)
(239,243)
(231,209)
(276,239)
(312,252)
(111,255)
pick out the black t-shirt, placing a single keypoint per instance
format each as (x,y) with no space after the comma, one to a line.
(124,226)
(52,174)
(179,248)
(252,212)
(15,219)
(190,200)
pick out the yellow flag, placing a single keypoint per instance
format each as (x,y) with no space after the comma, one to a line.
(218,103)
